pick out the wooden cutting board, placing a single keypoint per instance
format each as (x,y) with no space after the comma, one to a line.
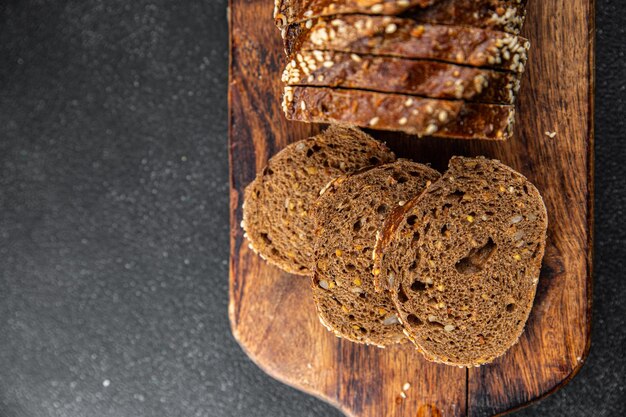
(272,314)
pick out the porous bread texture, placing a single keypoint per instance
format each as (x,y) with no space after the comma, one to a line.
(462,261)
(348,216)
(277,204)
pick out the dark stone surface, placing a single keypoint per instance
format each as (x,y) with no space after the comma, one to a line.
(114,218)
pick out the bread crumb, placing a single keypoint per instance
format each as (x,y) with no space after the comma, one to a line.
(551,135)
(406,386)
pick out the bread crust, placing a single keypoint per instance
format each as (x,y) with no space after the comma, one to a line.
(347,215)
(405,38)
(277,204)
(462,261)
(404,76)
(287,12)
(397,112)
(501,15)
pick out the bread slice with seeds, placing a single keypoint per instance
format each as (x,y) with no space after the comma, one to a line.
(405,76)
(397,112)
(502,15)
(348,216)
(405,38)
(287,12)
(462,261)
(277,204)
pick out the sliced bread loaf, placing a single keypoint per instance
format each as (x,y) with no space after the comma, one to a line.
(405,76)
(405,38)
(462,261)
(348,216)
(277,203)
(410,114)
(287,12)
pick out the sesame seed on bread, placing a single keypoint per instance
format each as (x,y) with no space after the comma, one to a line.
(502,15)
(404,76)
(399,112)
(287,12)
(406,38)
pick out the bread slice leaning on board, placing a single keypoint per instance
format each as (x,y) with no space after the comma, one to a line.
(347,215)
(462,261)
(277,204)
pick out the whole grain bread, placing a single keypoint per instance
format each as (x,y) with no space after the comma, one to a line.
(287,12)
(405,76)
(503,15)
(398,112)
(348,215)
(277,204)
(405,38)
(462,261)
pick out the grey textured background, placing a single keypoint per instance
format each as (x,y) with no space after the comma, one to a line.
(114,218)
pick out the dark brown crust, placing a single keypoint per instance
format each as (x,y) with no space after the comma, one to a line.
(404,38)
(502,15)
(287,12)
(405,76)
(396,112)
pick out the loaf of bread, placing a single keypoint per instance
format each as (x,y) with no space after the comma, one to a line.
(397,112)
(348,216)
(405,76)
(462,261)
(277,204)
(405,38)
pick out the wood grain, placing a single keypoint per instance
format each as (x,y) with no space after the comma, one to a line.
(272,314)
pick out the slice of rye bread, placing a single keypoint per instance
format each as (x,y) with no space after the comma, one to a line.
(398,112)
(405,76)
(462,261)
(287,12)
(277,203)
(348,215)
(503,15)
(404,38)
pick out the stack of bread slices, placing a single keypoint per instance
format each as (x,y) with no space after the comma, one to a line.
(444,68)
(397,251)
